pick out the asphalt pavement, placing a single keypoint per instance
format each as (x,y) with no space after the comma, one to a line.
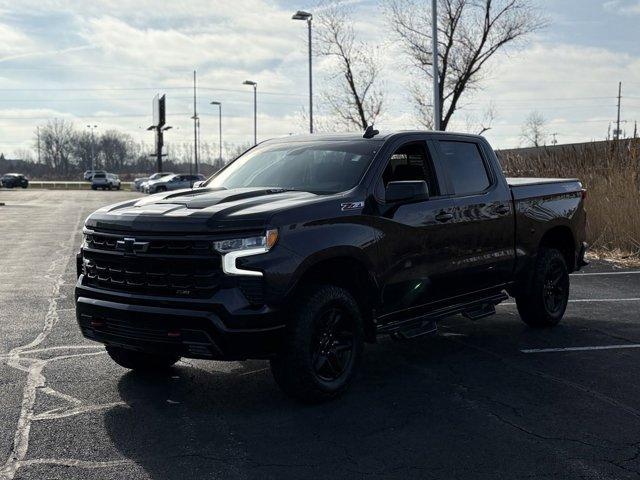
(490,399)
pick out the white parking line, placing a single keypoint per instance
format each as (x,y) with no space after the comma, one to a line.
(580,349)
(591,274)
(592,300)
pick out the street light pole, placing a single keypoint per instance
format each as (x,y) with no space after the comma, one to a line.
(300,15)
(219,104)
(92,128)
(255,109)
(436,88)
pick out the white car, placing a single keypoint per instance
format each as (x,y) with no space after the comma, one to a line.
(138,183)
(105,181)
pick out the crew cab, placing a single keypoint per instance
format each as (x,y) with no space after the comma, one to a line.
(305,248)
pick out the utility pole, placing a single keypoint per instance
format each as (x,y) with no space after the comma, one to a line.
(617,132)
(436,88)
(195,124)
(635,129)
(38,136)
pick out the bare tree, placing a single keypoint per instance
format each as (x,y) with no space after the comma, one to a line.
(354,94)
(470,32)
(56,139)
(534,131)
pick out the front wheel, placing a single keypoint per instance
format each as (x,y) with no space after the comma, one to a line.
(323,345)
(545,301)
(142,361)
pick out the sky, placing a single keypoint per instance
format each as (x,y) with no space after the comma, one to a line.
(101,62)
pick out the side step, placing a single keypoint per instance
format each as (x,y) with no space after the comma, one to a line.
(425,327)
(425,323)
(480,311)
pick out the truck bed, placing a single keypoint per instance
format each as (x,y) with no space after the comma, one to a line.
(523,188)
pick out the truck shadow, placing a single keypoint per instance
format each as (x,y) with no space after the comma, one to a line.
(412,408)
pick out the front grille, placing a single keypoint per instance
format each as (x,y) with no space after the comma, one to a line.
(162,246)
(152,265)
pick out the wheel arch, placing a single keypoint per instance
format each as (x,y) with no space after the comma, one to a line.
(346,270)
(561,238)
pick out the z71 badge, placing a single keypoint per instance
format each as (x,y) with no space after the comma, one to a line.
(351,206)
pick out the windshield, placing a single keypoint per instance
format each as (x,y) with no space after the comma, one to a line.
(318,167)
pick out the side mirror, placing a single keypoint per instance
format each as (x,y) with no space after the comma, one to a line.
(198,184)
(406,191)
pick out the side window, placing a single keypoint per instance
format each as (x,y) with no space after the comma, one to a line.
(465,167)
(411,162)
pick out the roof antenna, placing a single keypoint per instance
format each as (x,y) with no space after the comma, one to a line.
(370,132)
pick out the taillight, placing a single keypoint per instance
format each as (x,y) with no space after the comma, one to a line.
(584,194)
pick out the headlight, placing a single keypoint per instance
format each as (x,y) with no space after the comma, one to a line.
(236,248)
(264,242)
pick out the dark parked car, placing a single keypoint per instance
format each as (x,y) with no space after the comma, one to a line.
(13,180)
(305,248)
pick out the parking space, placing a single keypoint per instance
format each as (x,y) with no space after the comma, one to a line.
(488,399)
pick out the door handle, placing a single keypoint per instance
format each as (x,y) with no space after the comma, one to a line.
(502,209)
(444,217)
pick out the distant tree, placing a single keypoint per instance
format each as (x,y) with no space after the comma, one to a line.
(83,147)
(56,140)
(470,33)
(353,92)
(534,131)
(114,149)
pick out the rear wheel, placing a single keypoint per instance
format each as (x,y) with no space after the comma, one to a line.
(323,345)
(142,361)
(545,301)
(161,189)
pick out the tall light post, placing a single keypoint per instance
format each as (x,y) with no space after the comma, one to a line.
(219,104)
(436,88)
(255,109)
(300,15)
(92,128)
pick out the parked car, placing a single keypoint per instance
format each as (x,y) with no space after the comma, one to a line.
(138,182)
(304,248)
(105,181)
(12,180)
(88,175)
(172,182)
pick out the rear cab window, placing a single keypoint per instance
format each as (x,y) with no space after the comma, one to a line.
(465,167)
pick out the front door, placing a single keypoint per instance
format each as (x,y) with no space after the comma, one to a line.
(413,237)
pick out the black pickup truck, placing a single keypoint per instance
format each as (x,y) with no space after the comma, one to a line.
(304,248)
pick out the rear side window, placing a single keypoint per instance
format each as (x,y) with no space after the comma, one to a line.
(465,167)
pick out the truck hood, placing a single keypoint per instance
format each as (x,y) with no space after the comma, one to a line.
(201,210)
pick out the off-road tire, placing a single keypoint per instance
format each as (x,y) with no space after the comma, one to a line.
(550,278)
(141,361)
(295,368)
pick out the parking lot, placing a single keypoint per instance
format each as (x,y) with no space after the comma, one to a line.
(487,399)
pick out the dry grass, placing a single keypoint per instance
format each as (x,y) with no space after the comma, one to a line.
(610,171)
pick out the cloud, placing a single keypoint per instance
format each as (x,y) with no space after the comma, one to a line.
(623,7)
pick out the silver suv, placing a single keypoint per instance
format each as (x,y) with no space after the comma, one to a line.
(105,181)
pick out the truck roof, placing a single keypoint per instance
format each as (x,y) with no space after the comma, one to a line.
(355,136)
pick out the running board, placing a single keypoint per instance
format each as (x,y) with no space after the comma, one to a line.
(473,309)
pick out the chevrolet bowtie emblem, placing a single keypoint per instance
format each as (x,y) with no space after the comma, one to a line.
(130,246)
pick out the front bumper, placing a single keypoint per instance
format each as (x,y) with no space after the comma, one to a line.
(192,329)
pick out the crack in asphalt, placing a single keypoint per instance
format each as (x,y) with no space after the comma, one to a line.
(19,358)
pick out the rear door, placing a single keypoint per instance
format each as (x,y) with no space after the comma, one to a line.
(482,229)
